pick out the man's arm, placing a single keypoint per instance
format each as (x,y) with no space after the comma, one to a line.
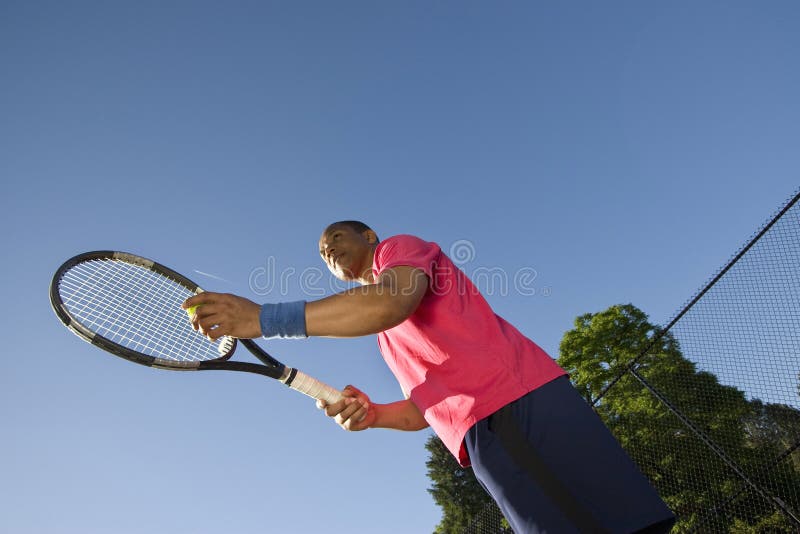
(368,309)
(400,415)
(356,312)
(355,412)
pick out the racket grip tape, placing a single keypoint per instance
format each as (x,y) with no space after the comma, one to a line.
(299,381)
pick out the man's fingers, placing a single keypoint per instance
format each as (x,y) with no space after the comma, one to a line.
(351,391)
(214,332)
(353,413)
(348,410)
(204,310)
(356,418)
(332,410)
(200,312)
(223,314)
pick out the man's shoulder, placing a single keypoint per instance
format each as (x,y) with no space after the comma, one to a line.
(406,249)
(405,238)
(407,242)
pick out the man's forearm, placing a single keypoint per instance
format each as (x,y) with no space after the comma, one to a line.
(400,415)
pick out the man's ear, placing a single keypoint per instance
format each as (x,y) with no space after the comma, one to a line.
(371,236)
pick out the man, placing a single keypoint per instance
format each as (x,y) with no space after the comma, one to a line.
(496,399)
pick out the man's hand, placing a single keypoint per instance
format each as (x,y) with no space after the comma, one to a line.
(223,314)
(354,412)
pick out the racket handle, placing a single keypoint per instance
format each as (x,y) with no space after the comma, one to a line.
(312,387)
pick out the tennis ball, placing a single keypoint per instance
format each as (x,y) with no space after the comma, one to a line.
(191,311)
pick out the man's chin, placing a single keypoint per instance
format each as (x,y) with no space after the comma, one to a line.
(344,275)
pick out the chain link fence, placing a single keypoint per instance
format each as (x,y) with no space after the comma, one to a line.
(726,425)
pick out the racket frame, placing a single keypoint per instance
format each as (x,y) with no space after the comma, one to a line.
(271,367)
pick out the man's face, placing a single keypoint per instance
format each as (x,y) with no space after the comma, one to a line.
(345,252)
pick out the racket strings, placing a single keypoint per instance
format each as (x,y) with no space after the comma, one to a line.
(143,293)
(136,308)
(103,291)
(140,323)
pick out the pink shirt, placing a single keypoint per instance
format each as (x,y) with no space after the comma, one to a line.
(454,357)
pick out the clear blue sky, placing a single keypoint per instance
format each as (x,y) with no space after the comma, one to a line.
(622,151)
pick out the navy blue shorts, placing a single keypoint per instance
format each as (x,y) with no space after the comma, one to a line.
(552,466)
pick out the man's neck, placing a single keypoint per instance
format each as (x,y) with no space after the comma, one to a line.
(368,276)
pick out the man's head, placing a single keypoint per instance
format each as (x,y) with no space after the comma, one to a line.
(347,248)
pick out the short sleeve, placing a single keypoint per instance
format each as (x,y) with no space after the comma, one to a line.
(406,250)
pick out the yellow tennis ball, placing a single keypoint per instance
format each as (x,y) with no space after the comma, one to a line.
(191,311)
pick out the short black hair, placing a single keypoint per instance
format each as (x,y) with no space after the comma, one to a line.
(357,226)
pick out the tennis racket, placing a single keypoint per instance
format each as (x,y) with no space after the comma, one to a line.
(131,307)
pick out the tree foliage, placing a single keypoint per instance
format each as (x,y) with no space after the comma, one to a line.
(455,489)
(687,472)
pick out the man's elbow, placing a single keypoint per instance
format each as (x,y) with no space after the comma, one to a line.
(420,425)
(414,426)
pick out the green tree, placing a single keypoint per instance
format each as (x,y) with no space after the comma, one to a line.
(688,474)
(454,489)
(775,426)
